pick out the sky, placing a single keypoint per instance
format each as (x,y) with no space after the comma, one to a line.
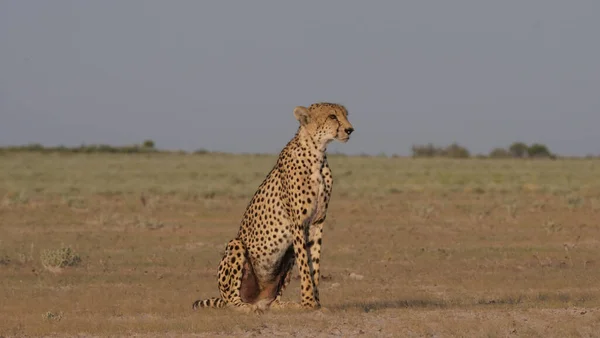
(226,75)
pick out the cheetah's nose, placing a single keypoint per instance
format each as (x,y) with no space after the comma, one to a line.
(349,131)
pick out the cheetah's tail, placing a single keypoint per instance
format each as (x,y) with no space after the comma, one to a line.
(209,303)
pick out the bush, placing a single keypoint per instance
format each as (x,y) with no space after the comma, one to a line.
(518,149)
(425,150)
(57,259)
(500,153)
(456,151)
(148,144)
(538,150)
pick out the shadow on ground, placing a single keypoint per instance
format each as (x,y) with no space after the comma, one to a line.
(393,304)
(556,298)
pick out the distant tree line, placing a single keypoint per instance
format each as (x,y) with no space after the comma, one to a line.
(146,147)
(515,150)
(429,150)
(454,150)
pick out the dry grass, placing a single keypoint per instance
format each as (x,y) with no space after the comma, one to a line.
(486,248)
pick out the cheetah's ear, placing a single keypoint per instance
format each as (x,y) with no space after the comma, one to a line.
(302,114)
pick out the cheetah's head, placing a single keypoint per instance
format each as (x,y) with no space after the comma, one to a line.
(325,122)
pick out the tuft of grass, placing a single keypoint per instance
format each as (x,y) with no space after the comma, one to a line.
(4,260)
(425,211)
(26,258)
(574,202)
(55,260)
(75,202)
(552,226)
(512,208)
(16,198)
(52,316)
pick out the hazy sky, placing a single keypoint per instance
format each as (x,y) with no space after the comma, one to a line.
(226,75)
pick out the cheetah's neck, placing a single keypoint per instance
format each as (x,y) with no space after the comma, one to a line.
(313,146)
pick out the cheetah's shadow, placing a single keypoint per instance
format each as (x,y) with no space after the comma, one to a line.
(392,304)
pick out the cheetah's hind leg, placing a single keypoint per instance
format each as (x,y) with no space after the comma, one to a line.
(233,270)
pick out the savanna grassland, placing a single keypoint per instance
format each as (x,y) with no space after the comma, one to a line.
(121,245)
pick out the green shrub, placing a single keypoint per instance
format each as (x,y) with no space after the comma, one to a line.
(148,144)
(538,150)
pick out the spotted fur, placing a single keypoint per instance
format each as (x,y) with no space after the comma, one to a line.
(283,223)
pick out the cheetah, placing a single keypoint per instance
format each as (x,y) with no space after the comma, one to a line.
(283,223)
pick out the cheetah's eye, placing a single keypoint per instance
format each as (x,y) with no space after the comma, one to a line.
(333,117)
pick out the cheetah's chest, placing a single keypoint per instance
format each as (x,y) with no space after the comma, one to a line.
(318,207)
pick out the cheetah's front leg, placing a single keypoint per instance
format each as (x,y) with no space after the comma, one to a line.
(314,245)
(303,261)
(315,235)
(278,303)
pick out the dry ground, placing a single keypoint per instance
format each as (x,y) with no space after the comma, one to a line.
(413,248)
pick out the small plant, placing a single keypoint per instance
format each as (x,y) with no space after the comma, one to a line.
(479,190)
(23,258)
(52,316)
(552,226)
(149,223)
(512,208)
(395,190)
(74,202)
(56,260)
(424,211)
(4,260)
(574,202)
(16,198)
